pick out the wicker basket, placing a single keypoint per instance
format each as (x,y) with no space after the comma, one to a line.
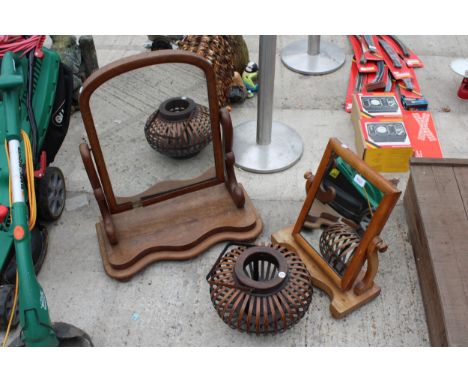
(219,51)
(260,289)
(180,128)
(338,243)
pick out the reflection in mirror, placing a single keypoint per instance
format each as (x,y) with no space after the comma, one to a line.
(158,117)
(340,213)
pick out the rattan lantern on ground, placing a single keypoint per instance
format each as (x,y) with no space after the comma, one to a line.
(260,289)
(180,128)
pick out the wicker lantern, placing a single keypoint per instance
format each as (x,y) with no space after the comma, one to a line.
(260,289)
(180,128)
(338,243)
(219,51)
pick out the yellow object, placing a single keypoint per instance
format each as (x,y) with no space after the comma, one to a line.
(368,202)
(388,159)
(30,179)
(383,157)
(334,173)
(12,313)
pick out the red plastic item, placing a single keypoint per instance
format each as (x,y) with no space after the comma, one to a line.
(40,172)
(3,213)
(463,91)
(18,233)
(15,43)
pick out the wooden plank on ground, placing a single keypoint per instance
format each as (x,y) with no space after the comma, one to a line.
(461,173)
(442,209)
(431,298)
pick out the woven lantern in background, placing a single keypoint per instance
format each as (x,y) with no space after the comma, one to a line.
(180,128)
(219,50)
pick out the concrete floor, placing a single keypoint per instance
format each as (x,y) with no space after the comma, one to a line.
(168,303)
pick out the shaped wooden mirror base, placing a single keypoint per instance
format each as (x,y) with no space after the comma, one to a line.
(197,221)
(342,302)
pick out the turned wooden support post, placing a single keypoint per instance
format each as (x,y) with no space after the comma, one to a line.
(376,245)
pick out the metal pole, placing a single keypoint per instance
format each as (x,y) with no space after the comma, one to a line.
(313,45)
(266,84)
(266,146)
(312,57)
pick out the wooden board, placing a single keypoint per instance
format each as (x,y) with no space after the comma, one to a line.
(197,221)
(342,302)
(436,203)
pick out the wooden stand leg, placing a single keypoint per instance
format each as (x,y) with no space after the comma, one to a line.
(98,193)
(231,182)
(377,245)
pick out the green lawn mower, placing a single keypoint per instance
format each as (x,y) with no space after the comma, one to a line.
(35,101)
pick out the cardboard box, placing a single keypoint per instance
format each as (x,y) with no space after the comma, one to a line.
(422,134)
(383,143)
(378,104)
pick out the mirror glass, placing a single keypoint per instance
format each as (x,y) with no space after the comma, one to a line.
(154,127)
(340,213)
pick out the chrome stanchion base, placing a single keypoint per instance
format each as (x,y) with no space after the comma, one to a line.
(284,151)
(295,57)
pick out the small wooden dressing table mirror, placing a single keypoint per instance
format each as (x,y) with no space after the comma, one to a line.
(337,231)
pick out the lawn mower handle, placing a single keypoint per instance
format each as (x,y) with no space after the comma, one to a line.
(34,314)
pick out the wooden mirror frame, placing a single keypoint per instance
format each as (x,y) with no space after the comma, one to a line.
(370,241)
(170,220)
(127,64)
